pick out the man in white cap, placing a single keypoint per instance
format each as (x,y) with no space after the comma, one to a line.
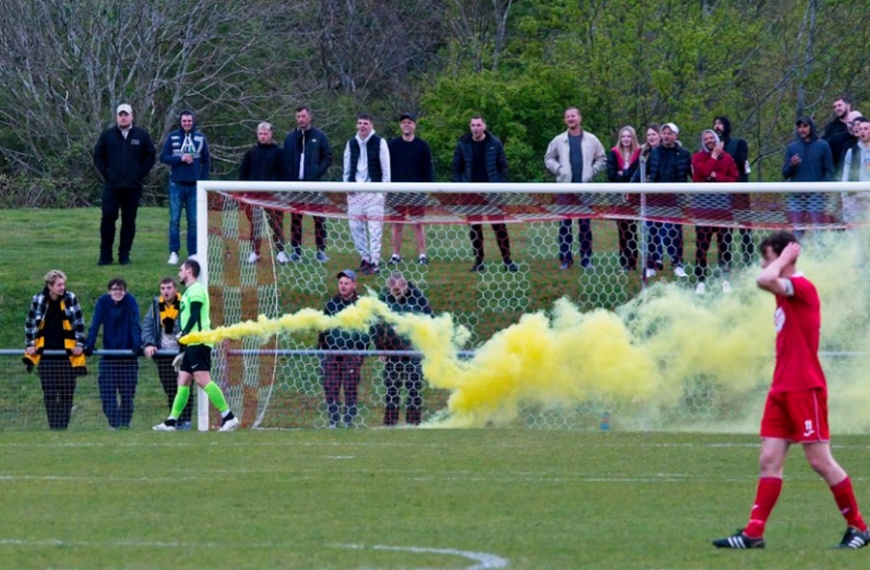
(124,155)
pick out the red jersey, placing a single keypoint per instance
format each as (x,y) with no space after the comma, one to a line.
(798,321)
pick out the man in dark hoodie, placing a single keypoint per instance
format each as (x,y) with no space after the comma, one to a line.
(124,155)
(739,151)
(402,296)
(117,312)
(807,159)
(264,162)
(186,153)
(479,157)
(308,156)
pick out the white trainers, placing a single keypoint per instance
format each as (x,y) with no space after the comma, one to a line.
(230,425)
(679,271)
(700,289)
(173,258)
(726,287)
(649,272)
(194,257)
(163,426)
(253,258)
(282,258)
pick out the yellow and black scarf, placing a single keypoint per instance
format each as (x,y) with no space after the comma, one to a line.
(69,344)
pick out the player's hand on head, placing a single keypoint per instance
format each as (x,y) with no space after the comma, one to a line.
(791,251)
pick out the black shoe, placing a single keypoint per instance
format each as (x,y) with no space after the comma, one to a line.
(478,267)
(566,264)
(854,538)
(587,264)
(374,268)
(365,267)
(124,260)
(105,261)
(511,266)
(739,540)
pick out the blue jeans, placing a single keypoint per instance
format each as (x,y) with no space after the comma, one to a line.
(118,378)
(584,236)
(182,196)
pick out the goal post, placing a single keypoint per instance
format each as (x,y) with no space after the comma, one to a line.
(630,273)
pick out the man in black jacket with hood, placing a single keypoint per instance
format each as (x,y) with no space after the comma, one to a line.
(739,151)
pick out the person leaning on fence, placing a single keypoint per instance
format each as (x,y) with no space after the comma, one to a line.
(402,296)
(55,322)
(342,371)
(160,329)
(117,312)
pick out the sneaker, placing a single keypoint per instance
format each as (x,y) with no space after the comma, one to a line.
(566,264)
(649,272)
(587,264)
(726,287)
(124,260)
(374,268)
(184,426)
(679,271)
(478,267)
(700,289)
(423,260)
(173,258)
(321,257)
(230,423)
(395,259)
(511,267)
(193,256)
(282,258)
(254,257)
(364,266)
(855,538)
(168,425)
(739,540)
(295,257)
(104,261)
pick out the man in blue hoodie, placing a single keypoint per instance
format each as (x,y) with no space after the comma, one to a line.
(807,159)
(186,153)
(118,313)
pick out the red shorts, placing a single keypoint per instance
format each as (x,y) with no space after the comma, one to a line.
(800,417)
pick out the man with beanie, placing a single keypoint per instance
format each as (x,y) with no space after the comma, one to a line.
(186,153)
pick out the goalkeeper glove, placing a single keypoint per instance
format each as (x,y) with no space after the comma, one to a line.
(176,362)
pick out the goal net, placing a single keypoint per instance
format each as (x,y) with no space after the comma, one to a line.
(662,326)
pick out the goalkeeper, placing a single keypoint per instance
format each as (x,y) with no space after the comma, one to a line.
(194,363)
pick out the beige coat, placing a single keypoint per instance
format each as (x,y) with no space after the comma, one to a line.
(558,157)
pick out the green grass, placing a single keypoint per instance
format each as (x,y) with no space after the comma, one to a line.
(300,498)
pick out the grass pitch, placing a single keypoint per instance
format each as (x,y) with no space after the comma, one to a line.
(406,499)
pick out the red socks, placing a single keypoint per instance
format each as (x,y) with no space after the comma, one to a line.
(845,498)
(765,499)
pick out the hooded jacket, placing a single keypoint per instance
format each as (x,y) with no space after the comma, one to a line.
(122,329)
(816,163)
(737,148)
(705,168)
(384,335)
(175,146)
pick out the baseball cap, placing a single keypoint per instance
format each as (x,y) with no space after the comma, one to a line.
(125,108)
(673,127)
(404,116)
(349,273)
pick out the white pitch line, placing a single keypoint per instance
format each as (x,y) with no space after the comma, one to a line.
(485,560)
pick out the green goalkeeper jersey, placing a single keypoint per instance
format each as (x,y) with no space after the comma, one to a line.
(195,293)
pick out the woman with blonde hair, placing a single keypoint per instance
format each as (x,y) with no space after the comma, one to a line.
(622,162)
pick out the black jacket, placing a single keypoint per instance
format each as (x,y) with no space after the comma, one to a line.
(318,154)
(124,163)
(263,163)
(384,335)
(496,160)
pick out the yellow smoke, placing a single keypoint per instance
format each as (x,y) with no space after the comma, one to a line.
(654,363)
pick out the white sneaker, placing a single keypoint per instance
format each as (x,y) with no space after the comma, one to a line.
(163,426)
(649,272)
(194,257)
(230,425)
(726,287)
(700,289)
(282,258)
(173,258)
(680,272)
(253,258)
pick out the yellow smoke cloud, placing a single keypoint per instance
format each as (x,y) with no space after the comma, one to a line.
(655,362)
